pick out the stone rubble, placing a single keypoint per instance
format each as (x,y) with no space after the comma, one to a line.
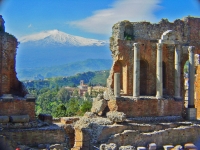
(128,147)
(116,117)
(99,105)
(110,146)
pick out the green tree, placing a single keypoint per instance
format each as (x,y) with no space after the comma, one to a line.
(73,106)
(86,106)
(75,93)
(60,111)
(63,95)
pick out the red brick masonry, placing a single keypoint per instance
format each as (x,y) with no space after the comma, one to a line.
(147,107)
(17,107)
(197,91)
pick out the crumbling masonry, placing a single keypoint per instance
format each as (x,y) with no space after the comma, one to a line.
(146,83)
(18,124)
(144,103)
(13,96)
(150,59)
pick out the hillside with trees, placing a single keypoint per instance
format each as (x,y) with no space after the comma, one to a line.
(54,98)
(69,69)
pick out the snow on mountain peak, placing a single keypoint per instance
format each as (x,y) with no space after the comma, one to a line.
(57,37)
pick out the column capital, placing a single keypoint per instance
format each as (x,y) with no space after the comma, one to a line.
(136,45)
(191,49)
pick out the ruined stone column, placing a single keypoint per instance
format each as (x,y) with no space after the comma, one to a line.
(191,77)
(177,72)
(117,84)
(191,111)
(159,76)
(136,71)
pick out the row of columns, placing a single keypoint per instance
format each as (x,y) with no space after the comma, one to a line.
(191,110)
(159,74)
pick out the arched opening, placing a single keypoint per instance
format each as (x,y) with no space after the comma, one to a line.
(143,77)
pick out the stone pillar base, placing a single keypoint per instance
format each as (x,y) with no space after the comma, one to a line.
(191,114)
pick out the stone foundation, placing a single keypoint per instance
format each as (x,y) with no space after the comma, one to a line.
(147,107)
(35,136)
(137,134)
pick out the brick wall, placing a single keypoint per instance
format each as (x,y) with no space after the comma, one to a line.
(33,137)
(146,107)
(18,107)
(197,91)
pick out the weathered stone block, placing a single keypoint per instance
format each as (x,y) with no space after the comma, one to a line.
(90,115)
(128,147)
(46,118)
(111,146)
(56,146)
(168,147)
(98,106)
(152,146)
(115,116)
(141,148)
(41,146)
(7,97)
(30,98)
(19,118)
(190,146)
(178,147)
(4,119)
(191,113)
(69,120)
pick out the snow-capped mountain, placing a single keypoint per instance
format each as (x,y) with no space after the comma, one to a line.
(58,38)
(52,48)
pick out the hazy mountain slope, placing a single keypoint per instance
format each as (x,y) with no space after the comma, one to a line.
(95,78)
(65,70)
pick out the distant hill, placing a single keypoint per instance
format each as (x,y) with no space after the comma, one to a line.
(94,78)
(64,70)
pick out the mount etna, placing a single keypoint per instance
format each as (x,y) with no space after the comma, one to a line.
(54,48)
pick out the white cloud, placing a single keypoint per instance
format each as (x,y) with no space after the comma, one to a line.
(30,25)
(101,21)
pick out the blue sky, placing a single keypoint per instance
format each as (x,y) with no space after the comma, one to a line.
(88,18)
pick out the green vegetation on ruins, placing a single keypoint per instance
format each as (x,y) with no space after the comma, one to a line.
(53,98)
